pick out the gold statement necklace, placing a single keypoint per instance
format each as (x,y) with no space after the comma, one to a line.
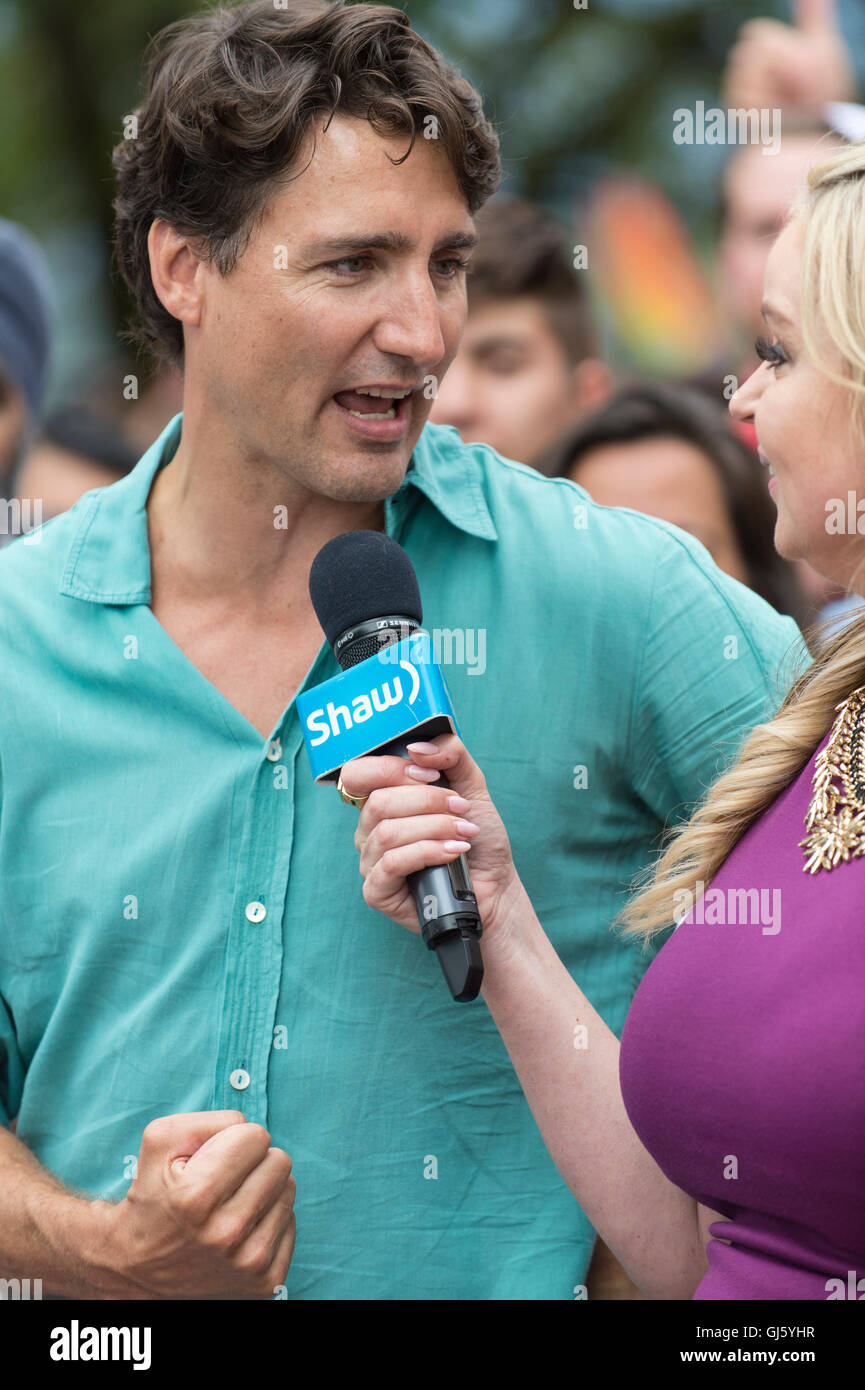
(836,816)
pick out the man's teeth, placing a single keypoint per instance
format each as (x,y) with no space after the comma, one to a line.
(377,391)
(389,395)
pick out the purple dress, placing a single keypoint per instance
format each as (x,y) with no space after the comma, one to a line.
(743,1064)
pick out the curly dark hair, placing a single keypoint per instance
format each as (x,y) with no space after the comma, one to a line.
(525,251)
(232,96)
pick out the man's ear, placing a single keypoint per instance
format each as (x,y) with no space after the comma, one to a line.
(175,271)
(591,385)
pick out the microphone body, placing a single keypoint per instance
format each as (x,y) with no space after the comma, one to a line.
(446,906)
(365,593)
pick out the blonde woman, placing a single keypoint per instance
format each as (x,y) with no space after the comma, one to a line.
(719,1152)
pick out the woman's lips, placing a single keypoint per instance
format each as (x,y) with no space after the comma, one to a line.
(763,459)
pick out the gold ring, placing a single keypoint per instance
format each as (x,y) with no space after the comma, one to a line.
(358,801)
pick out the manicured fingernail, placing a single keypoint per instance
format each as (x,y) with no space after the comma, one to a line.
(466,827)
(423,748)
(457,846)
(423,774)
(458,803)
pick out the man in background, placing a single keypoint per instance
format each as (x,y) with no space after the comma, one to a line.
(527,365)
(25,298)
(756,196)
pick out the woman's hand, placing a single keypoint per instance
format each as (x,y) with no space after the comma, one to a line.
(409,823)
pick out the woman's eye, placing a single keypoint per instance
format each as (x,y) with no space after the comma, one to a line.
(772,353)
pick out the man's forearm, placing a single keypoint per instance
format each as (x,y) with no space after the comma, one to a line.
(49,1233)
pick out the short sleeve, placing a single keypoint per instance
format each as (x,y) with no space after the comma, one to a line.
(717,659)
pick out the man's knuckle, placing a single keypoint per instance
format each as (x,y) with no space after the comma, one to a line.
(282,1162)
(155,1133)
(226,1235)
(194,1201)
(254,1258)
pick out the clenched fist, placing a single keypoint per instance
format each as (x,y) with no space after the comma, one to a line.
(210,1213)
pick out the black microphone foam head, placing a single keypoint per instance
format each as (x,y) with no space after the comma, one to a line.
(362,575)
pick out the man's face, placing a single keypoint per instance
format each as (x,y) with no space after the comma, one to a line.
(511,385)
(758,193)
(315,308)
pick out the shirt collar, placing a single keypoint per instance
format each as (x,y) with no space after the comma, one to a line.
(450,474)
(109,560)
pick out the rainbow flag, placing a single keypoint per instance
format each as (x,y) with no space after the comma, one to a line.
(654,294)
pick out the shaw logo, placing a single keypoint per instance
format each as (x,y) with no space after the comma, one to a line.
(324,722)
(373,703)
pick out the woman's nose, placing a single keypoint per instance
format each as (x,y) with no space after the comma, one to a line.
(746,396)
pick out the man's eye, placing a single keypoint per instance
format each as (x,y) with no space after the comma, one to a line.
(772,353)
(348,260)
(452,266)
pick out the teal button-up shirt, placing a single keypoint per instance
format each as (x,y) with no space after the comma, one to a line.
(181,919)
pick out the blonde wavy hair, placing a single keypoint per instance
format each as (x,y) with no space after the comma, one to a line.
(831,214)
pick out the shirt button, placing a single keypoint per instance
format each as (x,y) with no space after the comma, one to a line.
(239,1079)
(274,750)
(255,912)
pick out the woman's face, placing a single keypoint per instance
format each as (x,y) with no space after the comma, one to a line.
(805,430)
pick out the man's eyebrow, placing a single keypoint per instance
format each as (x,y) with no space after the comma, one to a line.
(383,241)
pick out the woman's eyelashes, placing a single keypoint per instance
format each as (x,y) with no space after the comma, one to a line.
(772,353)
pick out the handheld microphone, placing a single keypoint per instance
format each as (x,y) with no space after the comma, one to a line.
(365,594)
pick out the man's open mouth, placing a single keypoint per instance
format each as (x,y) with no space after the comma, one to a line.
(374,402)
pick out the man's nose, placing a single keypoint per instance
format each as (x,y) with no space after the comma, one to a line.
(412,325)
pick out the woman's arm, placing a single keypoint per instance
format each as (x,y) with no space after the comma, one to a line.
(651,1225)
(657,1232)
